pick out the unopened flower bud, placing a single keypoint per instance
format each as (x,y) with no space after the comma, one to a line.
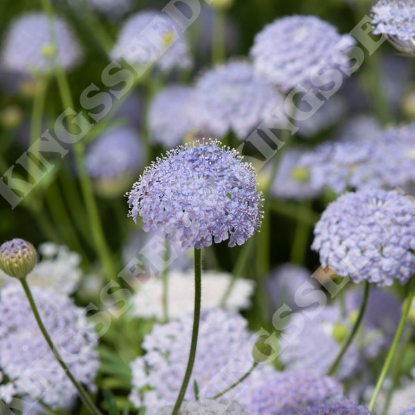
(221,4)
(17,258)
(339,332)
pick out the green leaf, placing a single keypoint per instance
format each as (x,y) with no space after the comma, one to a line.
(110,400)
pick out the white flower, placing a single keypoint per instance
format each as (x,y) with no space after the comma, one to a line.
(148,301)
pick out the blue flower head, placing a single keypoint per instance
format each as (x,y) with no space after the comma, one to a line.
(396,20)
(343,407)
(198,192)
(29,48)
(368,236)
(289,50)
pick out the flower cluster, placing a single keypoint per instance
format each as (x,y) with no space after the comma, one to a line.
(29,46)
(368,236)
(343,407)
(25,356)
(196,193)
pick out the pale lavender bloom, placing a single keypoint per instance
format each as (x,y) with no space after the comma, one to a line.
(289,50)
(234,100)
(292,180)
(343,407)
(112,8)
(25,356)
(198,193)
(223,348)
(114,159)
(287,393)
(368,236)
(160,42)
(358,129)
(172,115)
(410,411)
(328,115)
(396,20)
(28,45)
(316,348)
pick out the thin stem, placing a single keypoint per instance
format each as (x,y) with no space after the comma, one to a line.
(238,382)
(166,283)
(218,41)
(291,210)
(195,331)
(299,246)
(333,368)
(83,394)
(237,270)
(397,369)
(395,343)
(86,187)
(37,113)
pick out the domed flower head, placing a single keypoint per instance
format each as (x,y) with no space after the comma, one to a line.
(147,302)
(224,348)
(287,393)
(198,192)
(25,357)
(172,115)
(114,9)
(233,99)
(204,407)
(29,48)
(344,407)
(368,236)
(17,258)
(319,343)
(114,159)
(287,51)
(410,411)
(292,180)
(396,20)
(167,49)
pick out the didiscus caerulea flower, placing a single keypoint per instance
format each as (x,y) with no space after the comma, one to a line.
(25,356)
(114,159)
(233,99)
(198,193)
(343,407)
(410,411)
(160,41)
(172,115)
(289,50)
(395,19)
(316,346)
(287,393)
(368,236)
(224,347)
(29,48)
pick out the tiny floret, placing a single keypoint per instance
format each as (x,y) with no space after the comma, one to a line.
(368,236)
(17,258)
(198,193)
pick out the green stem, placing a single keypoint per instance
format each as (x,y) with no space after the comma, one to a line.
(395,343)
(195,331)
(218,41)
(333,368)
(291,210)
(397,369)
(37,113)
(237,270)
(83,394)
(166,283)
(238,382)
(86,187)
(299,247)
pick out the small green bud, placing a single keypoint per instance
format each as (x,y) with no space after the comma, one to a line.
(263,351)
(353,317)
(339,332)
(168,38)
(11,116)
(301,174)
(48,51)
(17,258)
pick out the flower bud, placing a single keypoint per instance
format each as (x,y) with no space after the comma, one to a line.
(221,4)
(17,258)
(339,332)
